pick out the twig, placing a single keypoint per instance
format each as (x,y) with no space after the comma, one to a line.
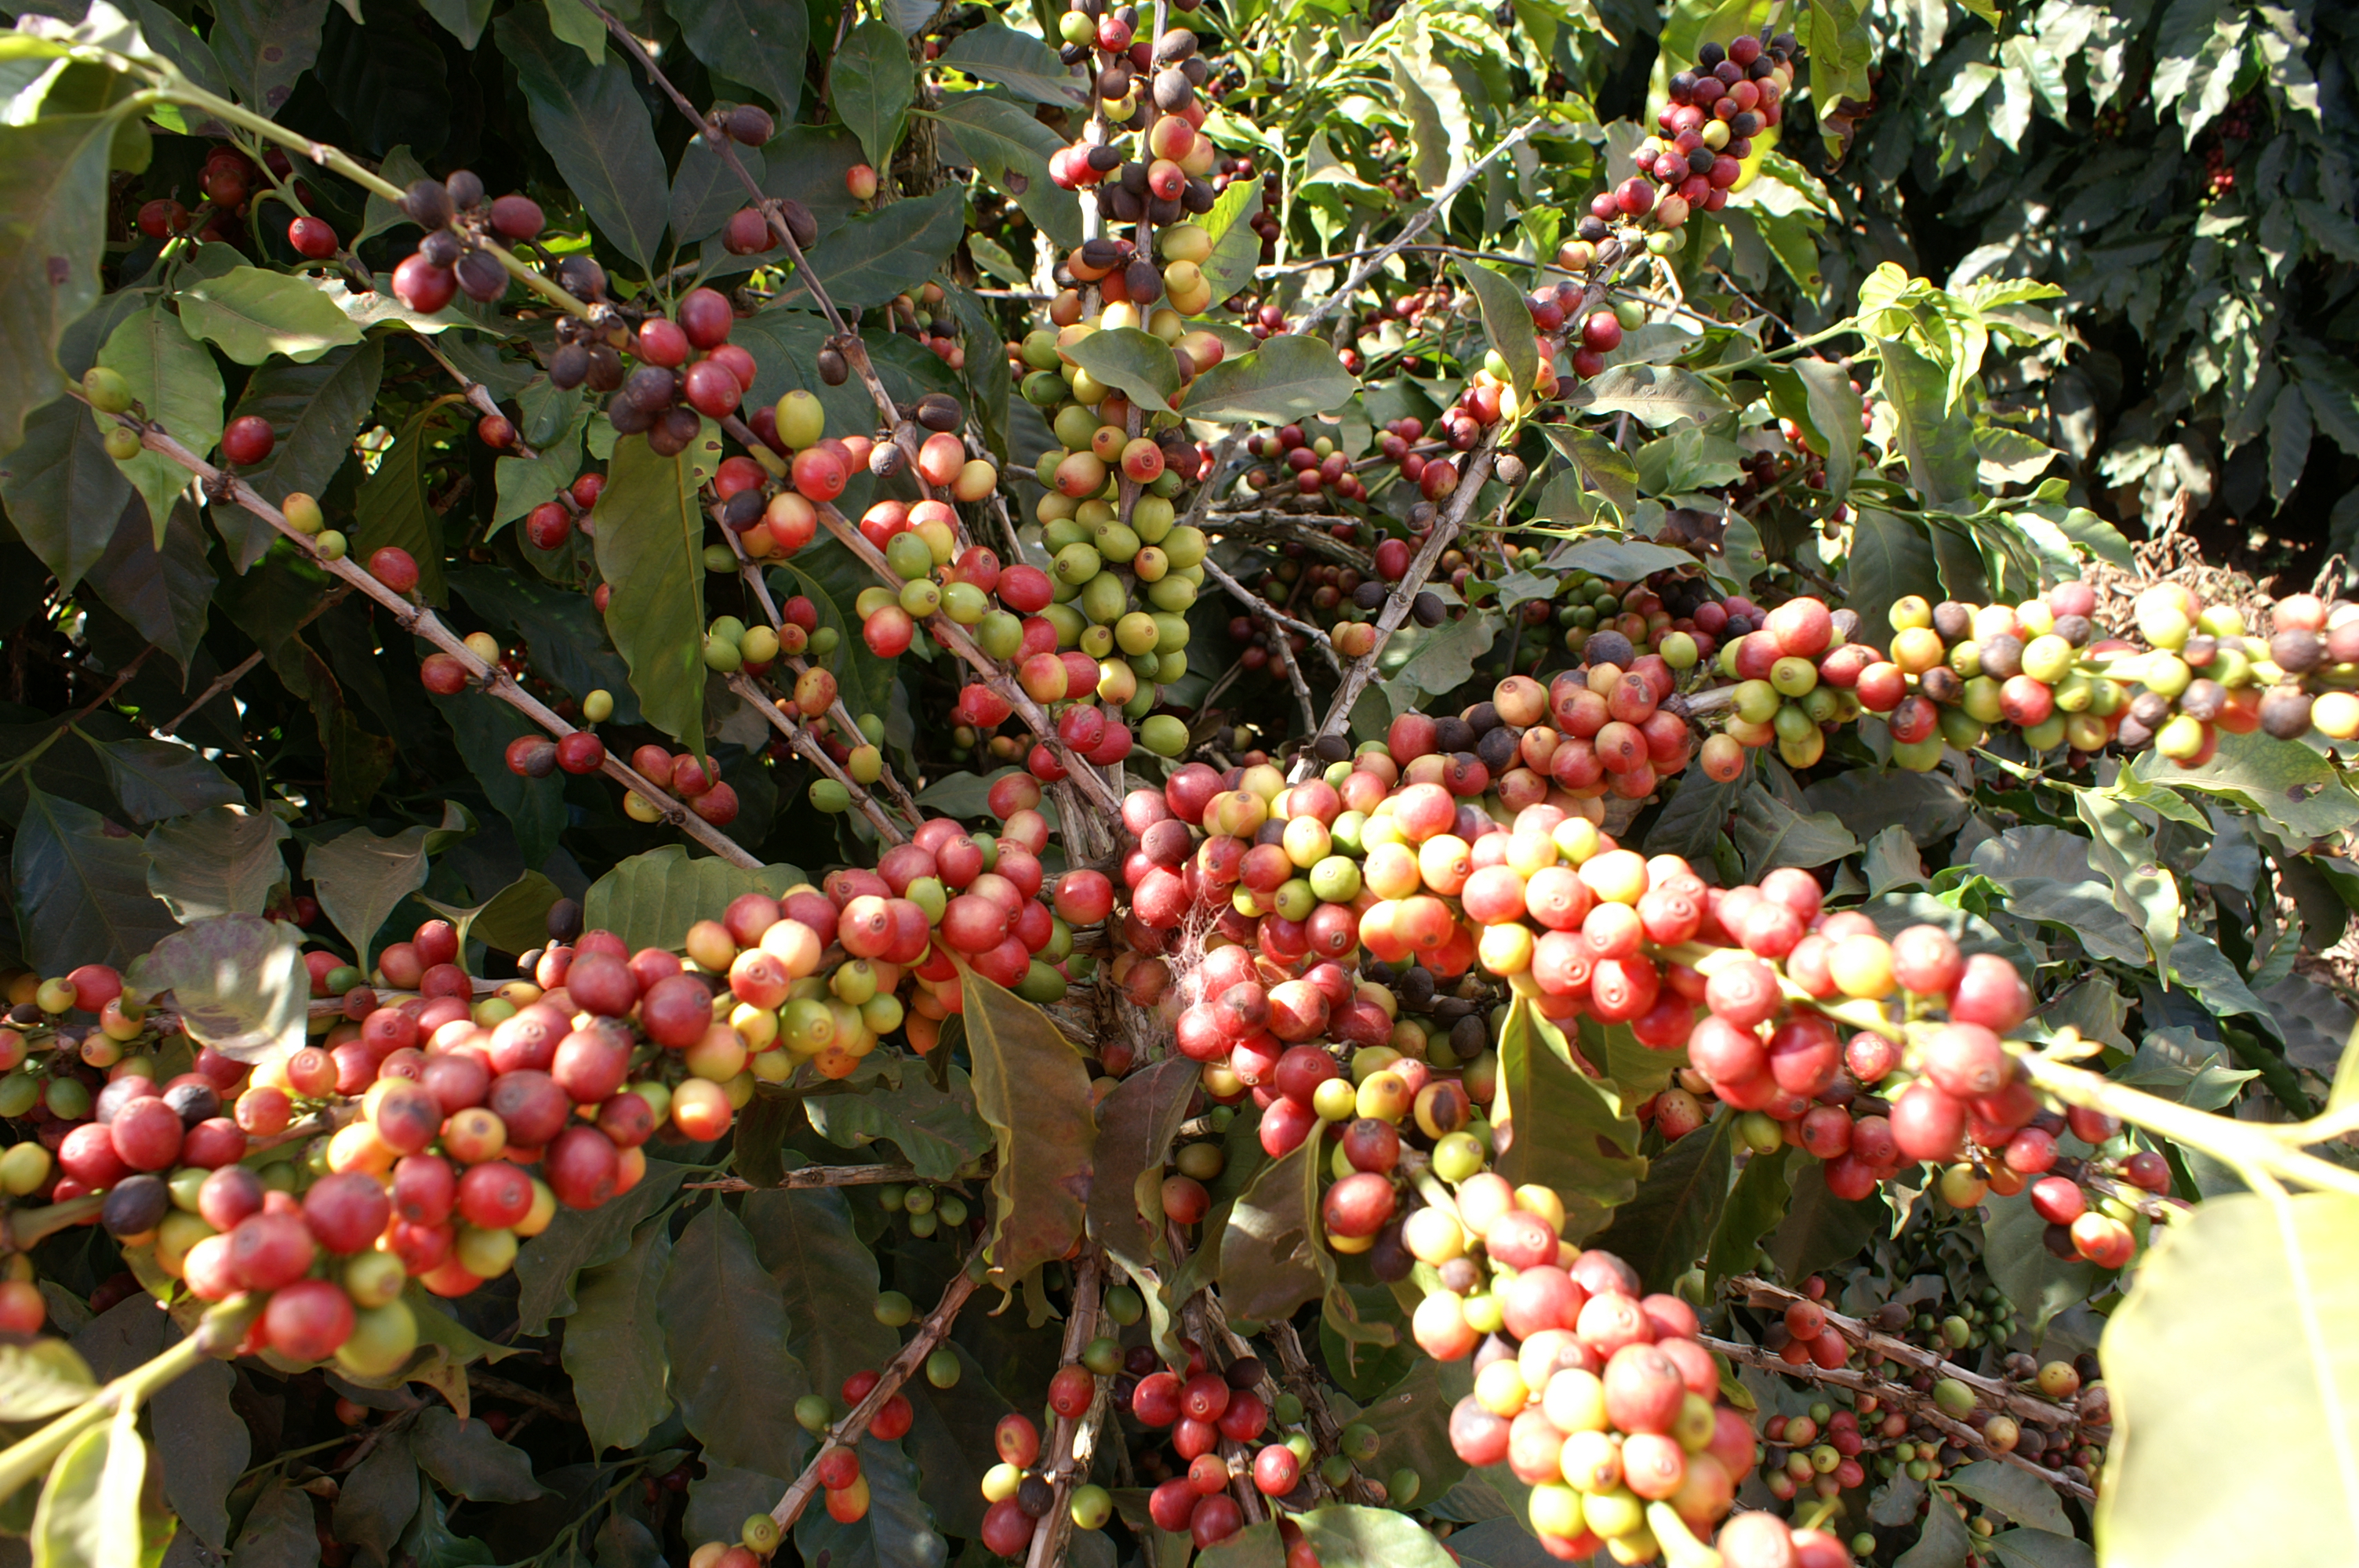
(811,1176)
(1919,1406)
(1066,1465)
(896,1372)
(221,683)
(1268,611)
(518,1394)
(807,748)
(479,397)
(423,623)
(1411,229)
(1421,567)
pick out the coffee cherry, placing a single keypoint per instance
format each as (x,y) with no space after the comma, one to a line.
(313,237)
(247,440)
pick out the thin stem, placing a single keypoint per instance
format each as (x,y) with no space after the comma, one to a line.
(222,1328)
(1055,1527)
(221,683)
(811,1176)
(2249,1146)
(897,1372)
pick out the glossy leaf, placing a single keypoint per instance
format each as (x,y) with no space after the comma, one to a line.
(1930,806)
(2013,1493)
(705,191)
(899,1532)
(2291,785)
(53,176)
(220,861)
(614,1344)
(1769,833)
(1891,557)
(158,580)
(157,778)
(1555,1124)
(1411,1420)
(1755,1203)
(650,900)
(2036,1281)
(1821,1228)
(253,315)
(467,1459)
(880,254)
(1506,321)
(804,1238)
(1033,1089)
(1012,150)
(1131,361)
(1937,439)
(761,43)
(1620,559)
(938,1131)
(1658,396)
(1288,377)
(378,1499)
(279,1531)
(651,549)
(88,1512)
(41,1377)
(1346,1535)
(1017,61)
(872,85)
(237,981)
(1255,1546)
(80,887)
(595,126)
(1941,1543)
(1691,821)
(534,808)
(393,509)
(176,380)
(1137,1124)
(358,876)
(725,1337)
(548,1266)
(65,495)
(1236,248)
(1669,1222)
(561,629)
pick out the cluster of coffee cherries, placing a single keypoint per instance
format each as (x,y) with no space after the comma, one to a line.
(1019,1495)
(456,253)
(1148,86)
(1703,135)
(1598,1396)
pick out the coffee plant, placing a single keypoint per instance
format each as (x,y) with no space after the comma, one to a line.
(1119,785)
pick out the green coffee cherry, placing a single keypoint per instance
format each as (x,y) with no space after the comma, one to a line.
(107,390)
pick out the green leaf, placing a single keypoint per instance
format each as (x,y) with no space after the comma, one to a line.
(805,1238)
(1867,801)
(279,1531)
(898,1531)
(2189,1387)
(157,778)
(266,46)
(238,983)
(1597,467)
(1131,361)
(53,176)
(252,314)
(1658,395)
(1033,1089)
(938,1132)
(1444,661)
(2286,782)
(534,808)
(1412,1422)
(1272,1260)
(1841,49)
(515,919)
(222,861)
(872,85)
(2013,1493)
(158,580)
(2036,1281)
(726,1335)
(1506,321)
(1667,1223)
(175,379)
(1556,1125)
(559,629)
(1137,1124)
(468,1460)
(42,1376)
(2027,1547)
(1937,439)
(1821,1228)
(81,888)
(378,1499)
(463,19)
(2048,877)
(1349,1536)
(595,126)
(574,23)
(358,877)
(1942,1544)
(1257,1546)
(1622,560)
(1755,1203)
(650,543)
(1834,409)
(880,254)
(548,1266)
(1288,377)
(65,495)
(1236,249)
(614,1344)
(1017,61)
(1689,822)
(1769,833)
(315,410)
(762,43)
(89,1513)
(651,900)
(1001,140)
(392,508)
